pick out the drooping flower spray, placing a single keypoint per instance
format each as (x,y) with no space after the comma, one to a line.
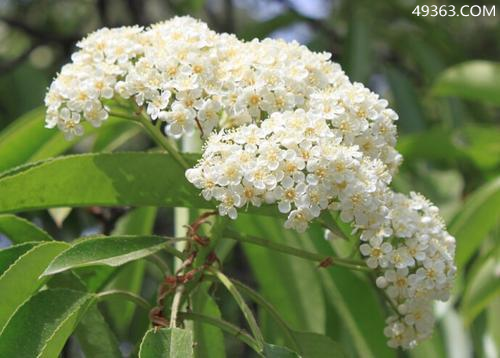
(284,126)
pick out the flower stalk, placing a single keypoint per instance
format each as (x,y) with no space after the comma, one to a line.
(155,133)
(322,260)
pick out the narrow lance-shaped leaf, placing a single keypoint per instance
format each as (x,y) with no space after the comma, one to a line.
(95,336)
(354,300)
(167,343)
(482,287)
(22,138)
(306,344)
(274,351)
(106,250)
(22,278)
(405,97)
(209,339)
(359,45)
(107,179)
(281,277)
(480,213)
(130,277)
(110,179)
(26,139)
(20,230)
(93,333)
(41,326)
(9,255)
(314,345)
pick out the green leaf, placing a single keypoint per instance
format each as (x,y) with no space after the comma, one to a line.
(480,213)
(111,179)
(359,45)
(209,340)
(23,138)
(96,277)
(434,144)
(281,277)
(473,80)
(106,250)
(26,139)
(112,137)
(482,287)
(9,255)
(167,343)
(273,351)
(20,230)
(493,322)
(22,278)
(245,310)
(313,345)
(106,179)
(481,145)
(130,277)
(411,116)
(354,299)
(41,326)
(95,337)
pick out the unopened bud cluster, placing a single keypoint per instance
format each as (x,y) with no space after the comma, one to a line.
(285,127)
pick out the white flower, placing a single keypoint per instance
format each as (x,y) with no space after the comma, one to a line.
(377,252)
(229,201)
(397,282)
(95,114)
(69,123)
(180,120)
(288,193)
(298,220)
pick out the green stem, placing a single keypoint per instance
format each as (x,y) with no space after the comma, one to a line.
(155,134)
(161,140)
(121,115)
(175,305)
(258,298)
(130,296)
(225,326)
(243,306)
(312,256)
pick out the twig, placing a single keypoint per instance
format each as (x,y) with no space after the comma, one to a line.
(161,140)
(175,305)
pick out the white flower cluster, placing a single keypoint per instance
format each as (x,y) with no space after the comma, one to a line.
(192,78)
(295,133)
(298,161)
(293,159)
